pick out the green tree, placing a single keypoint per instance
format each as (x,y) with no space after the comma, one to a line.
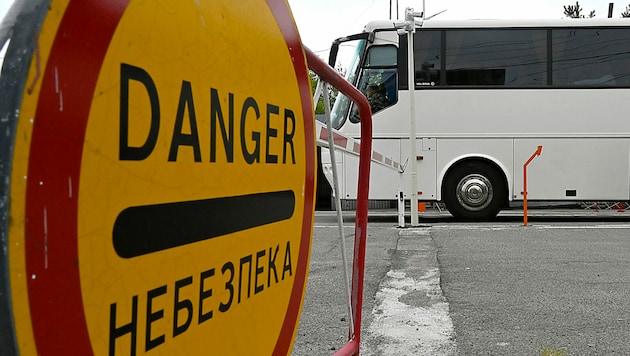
(319,106)
(575,12)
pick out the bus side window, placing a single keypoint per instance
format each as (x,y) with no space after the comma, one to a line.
(427,58)
(590,57)
(495,57)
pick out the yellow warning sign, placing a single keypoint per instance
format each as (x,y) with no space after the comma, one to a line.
(182,212)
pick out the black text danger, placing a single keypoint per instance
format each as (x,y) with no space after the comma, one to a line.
(232,135)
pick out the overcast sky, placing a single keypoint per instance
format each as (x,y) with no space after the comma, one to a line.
(321,21)
(4,7)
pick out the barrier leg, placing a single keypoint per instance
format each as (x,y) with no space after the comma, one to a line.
(401,209)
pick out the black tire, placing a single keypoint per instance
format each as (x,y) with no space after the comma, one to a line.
(474,190)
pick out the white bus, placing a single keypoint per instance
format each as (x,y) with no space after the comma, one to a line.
(487,93)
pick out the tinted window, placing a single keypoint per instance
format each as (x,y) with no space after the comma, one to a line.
(379,79)
(591,57)
(559,57)
(427,57)
(381,56)
(496,57)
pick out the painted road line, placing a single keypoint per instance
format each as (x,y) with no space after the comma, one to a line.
(503,227)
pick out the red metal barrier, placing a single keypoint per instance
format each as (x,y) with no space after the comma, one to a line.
(328,74)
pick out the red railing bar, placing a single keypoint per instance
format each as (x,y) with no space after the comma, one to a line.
(328,74)
(351,348)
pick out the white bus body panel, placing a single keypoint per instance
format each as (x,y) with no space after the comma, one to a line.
(574,168)
(586,146)
(506,113)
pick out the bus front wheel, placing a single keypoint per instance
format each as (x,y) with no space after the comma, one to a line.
(474,190)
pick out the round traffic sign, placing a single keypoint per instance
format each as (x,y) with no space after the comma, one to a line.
(162,180)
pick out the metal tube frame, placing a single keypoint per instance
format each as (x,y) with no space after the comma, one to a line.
(328,74)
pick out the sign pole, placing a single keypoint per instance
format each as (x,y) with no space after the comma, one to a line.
(410,27)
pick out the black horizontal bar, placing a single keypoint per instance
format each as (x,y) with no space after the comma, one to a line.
(141,230)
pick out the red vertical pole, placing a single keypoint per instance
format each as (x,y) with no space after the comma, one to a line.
(329,75)
(524,195)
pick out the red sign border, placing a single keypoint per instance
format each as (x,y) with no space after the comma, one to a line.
(285,21)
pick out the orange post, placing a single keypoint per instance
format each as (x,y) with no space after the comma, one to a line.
(536,154)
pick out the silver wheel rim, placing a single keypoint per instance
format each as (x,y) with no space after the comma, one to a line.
(474,192)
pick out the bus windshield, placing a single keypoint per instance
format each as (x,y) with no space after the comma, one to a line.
(348,62)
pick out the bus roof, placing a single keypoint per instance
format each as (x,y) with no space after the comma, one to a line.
(485,23)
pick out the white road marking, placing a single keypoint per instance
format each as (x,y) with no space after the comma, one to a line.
(538,227)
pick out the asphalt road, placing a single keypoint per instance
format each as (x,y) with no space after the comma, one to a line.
(497,288)
(325,323)
(515,290)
